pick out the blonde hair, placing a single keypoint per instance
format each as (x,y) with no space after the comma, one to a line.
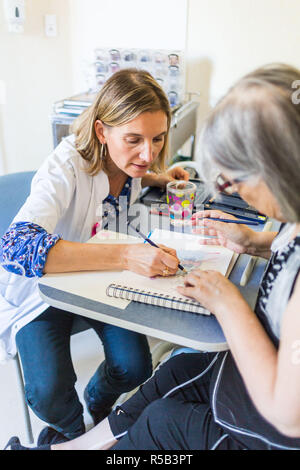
(123,97)
(254,132)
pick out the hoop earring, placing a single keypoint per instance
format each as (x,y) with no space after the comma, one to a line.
(103,151)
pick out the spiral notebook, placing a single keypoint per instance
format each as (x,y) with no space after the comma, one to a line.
(162,291)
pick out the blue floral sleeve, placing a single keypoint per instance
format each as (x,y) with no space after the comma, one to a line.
(27,244)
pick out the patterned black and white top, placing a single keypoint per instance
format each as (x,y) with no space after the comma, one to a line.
(231,404)
(279,266)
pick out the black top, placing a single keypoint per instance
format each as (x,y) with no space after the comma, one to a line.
(231,404)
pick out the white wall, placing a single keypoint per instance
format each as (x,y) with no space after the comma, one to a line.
(228,38)
(157,24)
(35,71)
(224,40)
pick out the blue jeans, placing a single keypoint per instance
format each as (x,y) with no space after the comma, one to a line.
(44,348)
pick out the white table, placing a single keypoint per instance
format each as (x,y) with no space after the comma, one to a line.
(183,328)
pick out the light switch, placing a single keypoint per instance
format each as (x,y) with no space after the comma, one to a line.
(50,25)
(2,92)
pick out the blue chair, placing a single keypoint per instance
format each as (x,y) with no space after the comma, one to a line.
(14,189)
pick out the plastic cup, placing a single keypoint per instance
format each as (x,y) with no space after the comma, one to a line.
(180,199)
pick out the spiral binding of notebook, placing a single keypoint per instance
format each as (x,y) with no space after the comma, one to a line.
(155,298)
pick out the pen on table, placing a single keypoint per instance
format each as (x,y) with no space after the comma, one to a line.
(153,244)
(251,263)
(230,221)
(158,212)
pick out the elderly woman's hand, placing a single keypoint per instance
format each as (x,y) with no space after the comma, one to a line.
(235,237)
(213,290)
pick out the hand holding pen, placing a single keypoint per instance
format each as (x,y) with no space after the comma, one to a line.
(166,271)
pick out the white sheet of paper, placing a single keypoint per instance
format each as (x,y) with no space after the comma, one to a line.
(89,284)
(107,236)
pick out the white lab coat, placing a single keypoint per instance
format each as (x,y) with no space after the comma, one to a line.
(64,200)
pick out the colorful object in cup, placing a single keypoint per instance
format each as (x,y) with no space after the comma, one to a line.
(180,199)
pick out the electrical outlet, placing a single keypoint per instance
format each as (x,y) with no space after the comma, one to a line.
(2,92)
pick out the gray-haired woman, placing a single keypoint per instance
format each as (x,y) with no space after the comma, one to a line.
(248,397)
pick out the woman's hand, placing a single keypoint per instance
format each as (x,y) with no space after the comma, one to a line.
(161,180)
(150,261)
(177,173)
(236,237)
(213,290)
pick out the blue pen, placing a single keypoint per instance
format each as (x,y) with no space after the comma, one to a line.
(229,221)
(153,244)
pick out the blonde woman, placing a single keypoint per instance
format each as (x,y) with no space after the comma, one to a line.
(119,145)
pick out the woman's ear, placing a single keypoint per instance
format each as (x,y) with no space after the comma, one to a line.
(99,129)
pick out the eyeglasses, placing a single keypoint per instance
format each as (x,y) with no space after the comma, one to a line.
(223,185)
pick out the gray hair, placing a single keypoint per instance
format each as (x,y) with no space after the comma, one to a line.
(254,132)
